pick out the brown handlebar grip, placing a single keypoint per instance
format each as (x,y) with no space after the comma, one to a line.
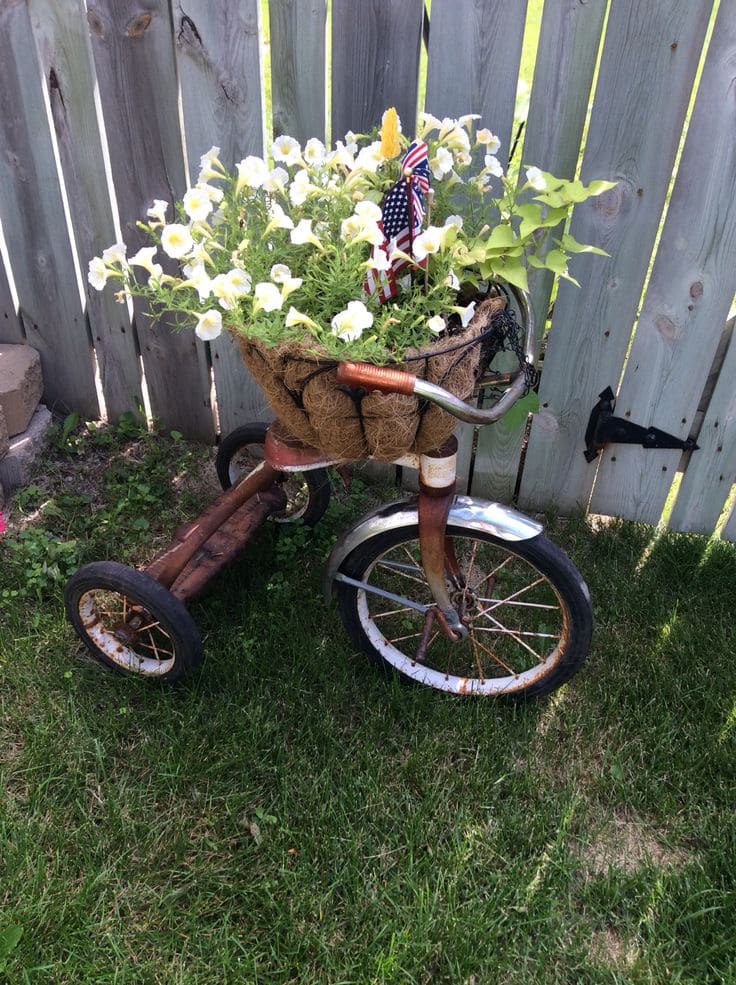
(376,378)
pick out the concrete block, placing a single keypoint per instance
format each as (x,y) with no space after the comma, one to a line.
(21,385)
(20,464)
(3,435)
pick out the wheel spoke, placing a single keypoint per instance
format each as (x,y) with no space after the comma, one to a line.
(492,573)
(518,632)
(518,639)
(157,650)
(495,657)
(391,612)
(528,605)
(512,596)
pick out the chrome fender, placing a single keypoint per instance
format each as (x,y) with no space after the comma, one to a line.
(474,514)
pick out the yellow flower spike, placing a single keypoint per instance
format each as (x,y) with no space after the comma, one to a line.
(390,145)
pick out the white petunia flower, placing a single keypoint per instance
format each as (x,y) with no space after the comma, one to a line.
(351,142)
(452,281)
(342,156)
(466,313)
(267,297)
(489,140)
(197,204)
(176,240)
(458,140)
(493,166)
(302,234)
(300,188)
(144,258)
(252,171)
(286,149)
(536,179)
(238,281)
(294,318)
(314,152)
(436,324)
(349,324)
(279,219)
(199,279)
(429,123)
(356,229)
(467,119)
(98,273)
(369,211)
(222,289)
(430,241)
(289,285)
(454,220)
(209,163)
(379,261)
(158,211)
(370,158)
(277,180)
(279,273)
(214,194)
(442,163)
(209,325)
(115,254)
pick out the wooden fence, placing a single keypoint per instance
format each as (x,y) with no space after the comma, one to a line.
(108,105)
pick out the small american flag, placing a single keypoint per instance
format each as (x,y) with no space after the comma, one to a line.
(403,212)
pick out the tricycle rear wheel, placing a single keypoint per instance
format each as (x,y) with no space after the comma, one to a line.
(240,451)
(131,623)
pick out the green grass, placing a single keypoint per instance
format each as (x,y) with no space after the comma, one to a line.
(290,816)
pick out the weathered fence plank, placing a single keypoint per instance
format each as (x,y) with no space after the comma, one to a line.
(35,226)
(566,56)
(473,61)
(712,470)
(375,62)
(62,41)
(219,71)
(11,329)
(688,297)
(646,75)
(298,67)
(473,67)
(134,57)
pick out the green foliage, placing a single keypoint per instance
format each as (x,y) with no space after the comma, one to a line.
(41,560)
(281,255)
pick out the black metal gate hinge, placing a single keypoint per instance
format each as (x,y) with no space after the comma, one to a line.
(603,428)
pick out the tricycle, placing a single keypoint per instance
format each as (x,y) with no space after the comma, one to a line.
(449,591)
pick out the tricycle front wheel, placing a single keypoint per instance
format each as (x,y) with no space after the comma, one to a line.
(525,606)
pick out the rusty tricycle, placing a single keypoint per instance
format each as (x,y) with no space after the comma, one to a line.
(449,591)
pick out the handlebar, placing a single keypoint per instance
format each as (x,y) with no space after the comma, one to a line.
(395,381)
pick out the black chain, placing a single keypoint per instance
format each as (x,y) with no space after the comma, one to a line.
(510,340)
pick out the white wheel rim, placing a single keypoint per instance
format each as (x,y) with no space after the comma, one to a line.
(441,680)
(112,643)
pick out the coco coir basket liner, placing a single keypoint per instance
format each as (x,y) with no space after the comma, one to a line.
(302,390)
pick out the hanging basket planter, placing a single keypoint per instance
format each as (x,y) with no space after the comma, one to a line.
(301,388)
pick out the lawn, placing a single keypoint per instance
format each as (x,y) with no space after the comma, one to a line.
(291,816)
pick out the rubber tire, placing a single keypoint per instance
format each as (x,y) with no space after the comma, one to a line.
(540,552)
(165,607)
(318,481)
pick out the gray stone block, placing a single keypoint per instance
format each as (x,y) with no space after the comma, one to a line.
(19,465)
(21,385)
(3,435)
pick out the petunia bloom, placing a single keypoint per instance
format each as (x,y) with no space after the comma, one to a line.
(209,325)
